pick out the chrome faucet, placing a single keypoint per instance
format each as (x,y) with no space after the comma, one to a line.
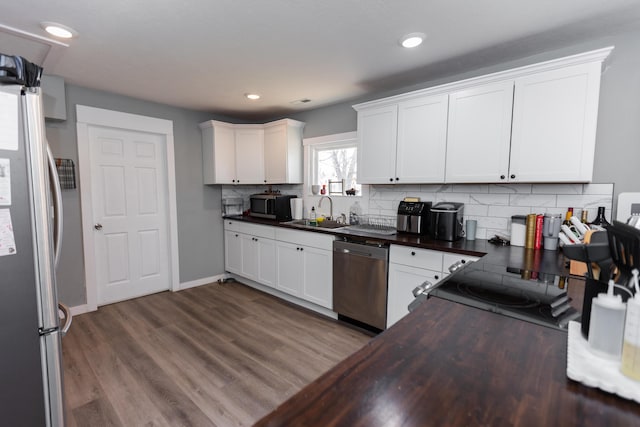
(330,206)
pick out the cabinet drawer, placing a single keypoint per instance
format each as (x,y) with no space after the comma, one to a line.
(265,231)
(415,257)
(305,238)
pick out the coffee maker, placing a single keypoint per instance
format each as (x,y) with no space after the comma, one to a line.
(446,221)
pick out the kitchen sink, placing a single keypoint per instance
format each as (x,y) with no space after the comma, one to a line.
(304,223)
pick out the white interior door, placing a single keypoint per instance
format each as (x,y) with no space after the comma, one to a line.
(129,195)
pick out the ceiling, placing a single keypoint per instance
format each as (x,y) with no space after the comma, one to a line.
(207,54)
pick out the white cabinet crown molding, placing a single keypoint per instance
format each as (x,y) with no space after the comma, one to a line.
(598,55)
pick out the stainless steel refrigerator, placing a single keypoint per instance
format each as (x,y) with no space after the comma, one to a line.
(31,319)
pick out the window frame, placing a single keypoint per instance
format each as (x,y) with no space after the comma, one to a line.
(321,143)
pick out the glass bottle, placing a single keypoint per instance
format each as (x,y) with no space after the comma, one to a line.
(567,218)
(600,219)
(584,218)
(313,219)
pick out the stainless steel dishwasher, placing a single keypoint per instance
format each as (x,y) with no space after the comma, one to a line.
(360,281)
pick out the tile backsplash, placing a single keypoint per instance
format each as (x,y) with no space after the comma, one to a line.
(492,205)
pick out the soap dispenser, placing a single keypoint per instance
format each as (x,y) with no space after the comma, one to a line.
(631,347)
(607,324)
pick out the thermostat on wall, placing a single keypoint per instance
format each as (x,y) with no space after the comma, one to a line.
(628,204)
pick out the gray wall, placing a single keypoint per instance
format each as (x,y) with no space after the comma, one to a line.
(200,235)
(618,137)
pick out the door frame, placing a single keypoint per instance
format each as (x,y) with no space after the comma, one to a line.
(90,116)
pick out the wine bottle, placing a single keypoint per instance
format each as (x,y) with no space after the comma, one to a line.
(567,218)
(584,217)
(600,220)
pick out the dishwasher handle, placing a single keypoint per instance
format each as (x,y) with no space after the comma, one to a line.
(354,252)
(361,250)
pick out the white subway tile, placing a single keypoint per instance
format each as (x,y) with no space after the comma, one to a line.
(436,188)
(510,188)
(556,189)
(452,197)
(470,188)
(585,201)
(382,204)
(604,189)
(536,201)
(508,211)
(489,199)
(476,210)
(493,222)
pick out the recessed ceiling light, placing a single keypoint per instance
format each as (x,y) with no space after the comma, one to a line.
(59,30)
(412,40)
(252,96)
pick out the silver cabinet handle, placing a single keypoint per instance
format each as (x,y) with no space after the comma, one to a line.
(98,226)
(68,318)
(57,206)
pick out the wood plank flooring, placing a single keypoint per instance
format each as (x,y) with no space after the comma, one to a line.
(216,355)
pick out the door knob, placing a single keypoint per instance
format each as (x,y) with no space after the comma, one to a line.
(98,226)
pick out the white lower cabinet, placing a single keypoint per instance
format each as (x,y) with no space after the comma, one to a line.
(408,268)
(318,277)
(402,280)
(305,272)
(295,262)
(233,252)
(290,268)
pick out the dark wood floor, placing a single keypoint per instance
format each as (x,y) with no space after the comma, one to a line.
(220,354)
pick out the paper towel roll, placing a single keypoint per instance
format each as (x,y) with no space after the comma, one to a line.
(296,208)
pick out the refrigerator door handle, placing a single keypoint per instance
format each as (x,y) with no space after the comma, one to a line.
(56,193)
(68,318)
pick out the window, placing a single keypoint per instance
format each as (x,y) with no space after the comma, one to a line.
(333,162)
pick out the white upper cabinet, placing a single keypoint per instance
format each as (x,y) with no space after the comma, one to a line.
(283,152)
(422,140)
(554,125)
(218,152)
(377,135)
(535,123)
(403,143)
(249,154)
(252,154)
(479,133)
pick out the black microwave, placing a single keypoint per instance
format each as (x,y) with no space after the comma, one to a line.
(272,206)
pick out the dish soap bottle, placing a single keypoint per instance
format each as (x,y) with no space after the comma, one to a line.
(354,213)
(631,347)
(607,324)
(313,219)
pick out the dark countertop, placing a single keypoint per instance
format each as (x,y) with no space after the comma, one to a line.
(551,262)
(477,247)
(448,364)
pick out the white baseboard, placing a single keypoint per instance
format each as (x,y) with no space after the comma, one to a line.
(276,293)
(81,309)
(200,282)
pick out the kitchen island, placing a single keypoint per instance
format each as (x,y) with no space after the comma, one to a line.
(449,364)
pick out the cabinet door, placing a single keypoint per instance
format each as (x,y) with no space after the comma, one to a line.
(422,140)
(377,134)
(218,153)
(249,257)
(290,270)
(554,125)
(249,156)
(318,276)
(275,154)
(479,133)
(402,280)
(266,261)
(233,252)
